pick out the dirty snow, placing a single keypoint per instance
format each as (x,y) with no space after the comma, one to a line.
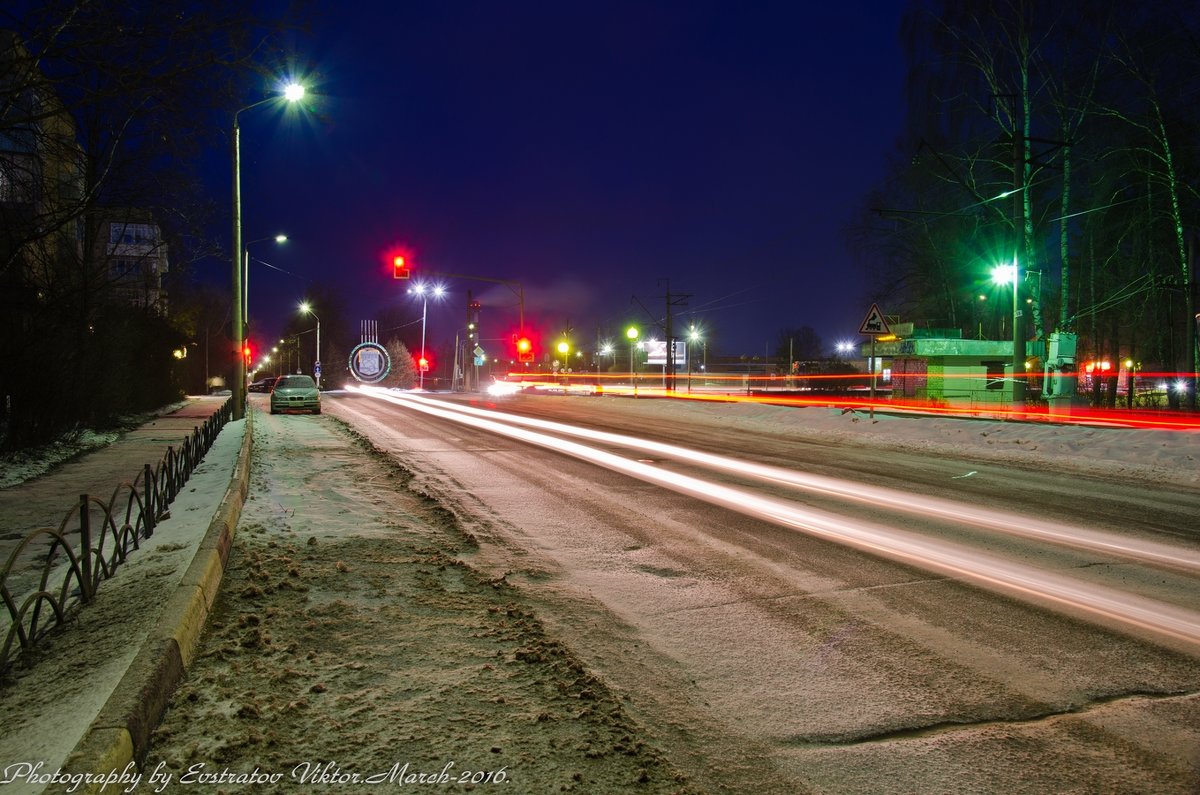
(350,637)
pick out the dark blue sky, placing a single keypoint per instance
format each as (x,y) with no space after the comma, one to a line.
(588,151)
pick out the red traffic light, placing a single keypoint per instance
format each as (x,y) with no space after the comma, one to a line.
(400,269)
(423,364)
(524,350)
(246,352)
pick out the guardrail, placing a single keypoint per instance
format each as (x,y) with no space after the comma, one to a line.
(71,573)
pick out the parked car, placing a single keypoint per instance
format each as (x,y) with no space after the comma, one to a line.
(295,393)
(263,385)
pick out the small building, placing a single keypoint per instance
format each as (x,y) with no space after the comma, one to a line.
(939,365)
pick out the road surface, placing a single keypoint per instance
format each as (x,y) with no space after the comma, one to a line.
(569,594)
(838,619)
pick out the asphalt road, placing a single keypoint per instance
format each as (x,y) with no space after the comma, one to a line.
(929,653)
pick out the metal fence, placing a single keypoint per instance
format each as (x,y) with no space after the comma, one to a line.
(90,544)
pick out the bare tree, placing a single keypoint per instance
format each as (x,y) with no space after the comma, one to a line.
(105,105)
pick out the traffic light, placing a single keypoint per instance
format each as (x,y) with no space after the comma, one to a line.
(524,350)
(423,364)
(400,269)
(246,353)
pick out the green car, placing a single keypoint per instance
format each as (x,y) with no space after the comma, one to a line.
(295,393)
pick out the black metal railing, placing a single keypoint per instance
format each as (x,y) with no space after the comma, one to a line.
(90,544)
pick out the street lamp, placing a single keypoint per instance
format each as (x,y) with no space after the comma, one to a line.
(423,290)
(632,334)
(693,336)
(307,309)
(1002,274)
(291,93)
(564,348)
(280,239)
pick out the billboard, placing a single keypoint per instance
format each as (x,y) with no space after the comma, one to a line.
(656,353)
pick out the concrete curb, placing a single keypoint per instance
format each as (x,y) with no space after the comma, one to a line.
(120,735)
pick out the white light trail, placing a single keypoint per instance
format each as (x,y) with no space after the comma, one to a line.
(999,521)
(1107,605)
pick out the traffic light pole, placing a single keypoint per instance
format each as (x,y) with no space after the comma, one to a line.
(512,285)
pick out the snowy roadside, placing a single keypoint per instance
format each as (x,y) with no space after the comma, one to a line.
(353,637)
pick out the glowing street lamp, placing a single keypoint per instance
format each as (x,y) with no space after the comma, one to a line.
(306,308)
(693,336)
(424,290)
(280,240)
(291,93)
(564,348)
(1003,274)
(632,334)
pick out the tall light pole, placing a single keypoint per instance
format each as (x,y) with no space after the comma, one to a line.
(1002,274)
(693,335)
(307,309)
(632,334)
(281,239)
(292,93)
(424,290)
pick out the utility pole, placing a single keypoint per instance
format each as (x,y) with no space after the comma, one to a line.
(676,300)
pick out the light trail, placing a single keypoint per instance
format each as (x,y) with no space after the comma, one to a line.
(1101,604)
(765,394)
(927,507)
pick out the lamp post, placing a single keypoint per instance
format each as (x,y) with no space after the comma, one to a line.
(693,336)
(307,309)
(564,348)
(1000,275)
(423,290)
(632,334)
(292,93)
(246,274)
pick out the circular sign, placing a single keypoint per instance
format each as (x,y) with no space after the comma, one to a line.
(370,363)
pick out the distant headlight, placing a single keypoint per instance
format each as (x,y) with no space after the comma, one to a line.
(501,388)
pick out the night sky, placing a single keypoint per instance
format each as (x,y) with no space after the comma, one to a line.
(590,151)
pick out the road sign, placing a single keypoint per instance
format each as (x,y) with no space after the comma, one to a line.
(874,323)
(317,371)
(478,351)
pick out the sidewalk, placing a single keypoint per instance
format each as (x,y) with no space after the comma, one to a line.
(129,645)
(45,500)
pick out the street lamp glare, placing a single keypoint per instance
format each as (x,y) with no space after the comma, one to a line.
(1004,274)
(631,333)
(280,238)
(293,92)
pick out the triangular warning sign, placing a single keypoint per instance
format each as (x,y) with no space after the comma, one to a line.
(874,322)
